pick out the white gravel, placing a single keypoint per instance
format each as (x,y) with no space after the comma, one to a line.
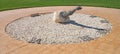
(41,29)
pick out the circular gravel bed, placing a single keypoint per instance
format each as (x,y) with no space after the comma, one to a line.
(41,29)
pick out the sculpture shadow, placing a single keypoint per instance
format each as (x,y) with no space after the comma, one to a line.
(81,25)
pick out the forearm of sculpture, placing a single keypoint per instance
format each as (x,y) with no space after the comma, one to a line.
(72,11)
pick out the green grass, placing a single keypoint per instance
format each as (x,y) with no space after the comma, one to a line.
(14,4)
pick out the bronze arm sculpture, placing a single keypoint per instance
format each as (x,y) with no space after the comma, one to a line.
(63,16)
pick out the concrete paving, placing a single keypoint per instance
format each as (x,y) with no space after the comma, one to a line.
(108,44)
